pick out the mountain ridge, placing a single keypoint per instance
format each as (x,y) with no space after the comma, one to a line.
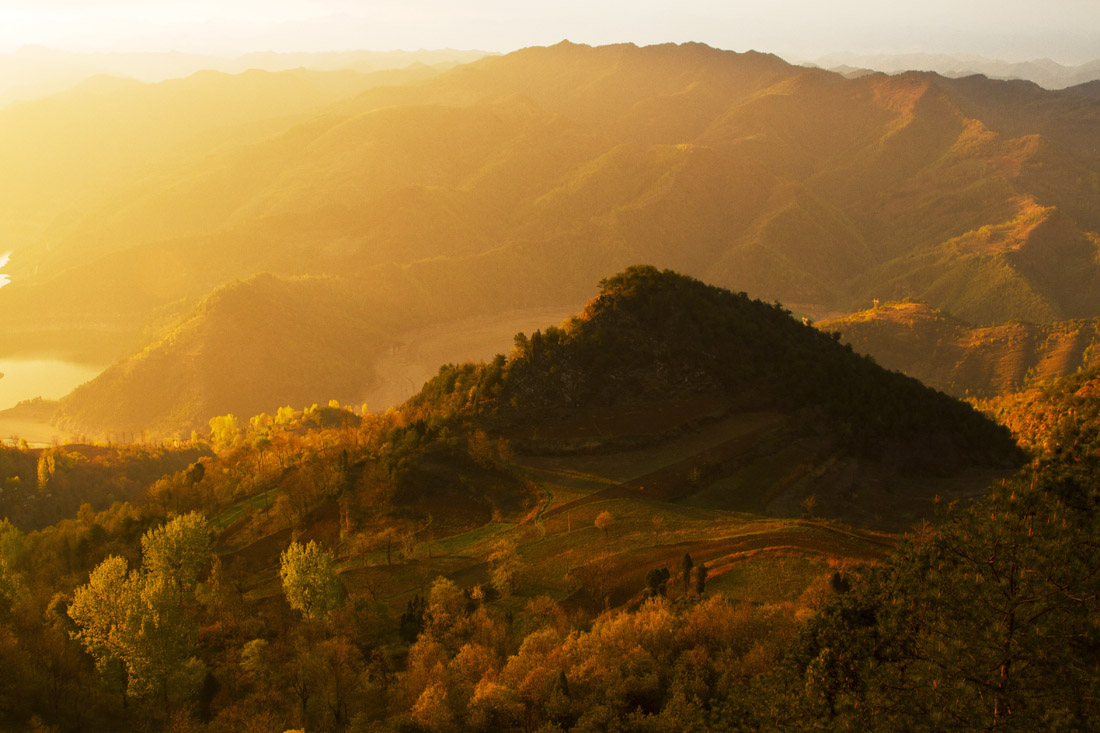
(791,184)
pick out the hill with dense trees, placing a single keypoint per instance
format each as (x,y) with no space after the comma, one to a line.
(652,335)
(786,412)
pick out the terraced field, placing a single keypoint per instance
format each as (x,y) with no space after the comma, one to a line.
(664,501)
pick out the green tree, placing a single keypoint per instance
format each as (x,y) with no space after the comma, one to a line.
(309,579)
(225,431)
(11,587)
(140,636)
(656,581)
(700,578)
(446,607)
(983,623)
(504,566)
(178,551)
(12,551)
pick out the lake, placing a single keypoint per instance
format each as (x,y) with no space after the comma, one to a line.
(25,379)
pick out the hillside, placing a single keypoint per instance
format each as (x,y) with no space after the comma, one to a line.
(658,356)
(1055,417)
(680,488)
(62,156)
(549,167)
(964,360)
(259,344)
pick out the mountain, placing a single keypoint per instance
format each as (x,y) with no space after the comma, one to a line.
(262,343)
(66,152)
(549,167)
(964,360)
(679,489)
(1088,89)
(1044,72)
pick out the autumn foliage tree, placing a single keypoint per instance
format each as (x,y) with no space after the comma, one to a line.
(135,624)
(178,551)
(309,579)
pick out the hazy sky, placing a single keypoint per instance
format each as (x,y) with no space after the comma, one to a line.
(1065,30)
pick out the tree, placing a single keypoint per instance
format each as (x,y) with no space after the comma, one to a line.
(700,578)
(981,624)
(685,570)
(432,709)
(505,564)
(261,443)
(47,466)
(446,606)
(658,522)
(656,581)
(12,550)
(809,505)
(225,431)
(196,473)
(11,587)
(309,579)
(603,521)
(136,630)
(178,551)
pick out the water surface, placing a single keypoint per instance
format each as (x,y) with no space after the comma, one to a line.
(26,379)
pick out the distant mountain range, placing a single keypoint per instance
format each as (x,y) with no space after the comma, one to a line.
(423,196)
(1044,72)
(34,72)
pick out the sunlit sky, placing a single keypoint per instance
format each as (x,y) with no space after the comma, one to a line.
(1066,30)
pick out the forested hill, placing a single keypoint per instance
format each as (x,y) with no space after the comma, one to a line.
(1057,417)
(651,335)
(966,360)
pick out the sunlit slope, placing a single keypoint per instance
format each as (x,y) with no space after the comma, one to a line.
(230,355)
(541,171)
(956,357)
(61,154)
(254,345)
(1045,416)
(786,182)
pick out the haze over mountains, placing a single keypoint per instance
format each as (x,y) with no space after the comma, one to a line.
(1044,72)
(417,197)
(33,72)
